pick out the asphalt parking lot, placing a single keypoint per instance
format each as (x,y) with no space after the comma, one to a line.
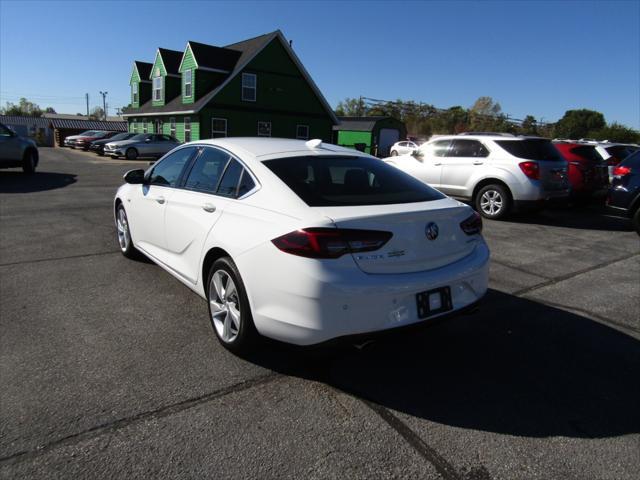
(109,367)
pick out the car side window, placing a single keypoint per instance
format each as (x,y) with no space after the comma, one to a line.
(468,148)
(246,184)
(4,131)
(207,170)
(439,149)
(229,183)
(167,171)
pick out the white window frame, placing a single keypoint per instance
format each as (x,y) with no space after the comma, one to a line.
(158,89)
(134,126)
(301,137)
(258,132)
(254,87)
(134,92)
(144,127)
(223,132)
(184,121)
(172,126)
(190,83)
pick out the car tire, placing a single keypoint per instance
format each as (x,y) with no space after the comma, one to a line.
(123,234)
(493,201)
(131,153)
(29,162)
(394,153)
(230,315)
(635,221)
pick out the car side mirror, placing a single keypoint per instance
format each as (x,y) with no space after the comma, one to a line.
(147,139)
(134,177)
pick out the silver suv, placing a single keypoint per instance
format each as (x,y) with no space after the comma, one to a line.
(497,173)
(17,151)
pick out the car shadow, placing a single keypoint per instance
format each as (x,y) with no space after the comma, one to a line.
(18,182)
(587,216)
(516,367)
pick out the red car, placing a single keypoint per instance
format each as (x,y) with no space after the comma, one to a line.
(84,142)
(586,170)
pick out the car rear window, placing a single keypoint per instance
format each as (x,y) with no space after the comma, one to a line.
(620,151)
(587,151)
(328,181)
(532,149)
(632,161)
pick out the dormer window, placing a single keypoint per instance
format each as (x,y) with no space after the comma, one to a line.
(157,88)
(249,87)
(134,92)
(187,82)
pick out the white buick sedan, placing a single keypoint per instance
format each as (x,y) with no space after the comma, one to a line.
(300,241)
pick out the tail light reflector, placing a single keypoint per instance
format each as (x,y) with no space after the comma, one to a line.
(530,169)
(330,242)
(620,171)
(472,225)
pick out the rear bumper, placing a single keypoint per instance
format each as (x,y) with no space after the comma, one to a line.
(621,212)
(310,307)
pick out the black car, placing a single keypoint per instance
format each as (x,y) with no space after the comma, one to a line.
(624,194)
(97,146)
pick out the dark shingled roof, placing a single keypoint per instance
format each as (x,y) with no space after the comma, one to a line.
(358,124)
(88,124)
(22,120)
(144,69)
(208,56)
(171,60)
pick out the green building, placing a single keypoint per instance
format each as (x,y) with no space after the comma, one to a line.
(374,135)
(257,87)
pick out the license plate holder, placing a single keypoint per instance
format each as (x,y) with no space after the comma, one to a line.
(433,302)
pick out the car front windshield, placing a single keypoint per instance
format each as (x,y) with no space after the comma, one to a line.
(328,181)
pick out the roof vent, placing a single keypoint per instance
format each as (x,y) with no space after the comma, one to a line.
(315,143)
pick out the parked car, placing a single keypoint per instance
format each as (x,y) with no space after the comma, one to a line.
(141,145)
(587,172)
(71,139)
(84,142)
(624,193)
(17,151)
(97,146)
(497,173)
(301,241)
(406,147)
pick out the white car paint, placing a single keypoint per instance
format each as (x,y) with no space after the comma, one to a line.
(406,147)
(305,300)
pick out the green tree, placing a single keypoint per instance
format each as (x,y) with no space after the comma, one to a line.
(486,115)
(615,132)
(351,107)
(578,123)
(529,126)
(97,113)
(23,108)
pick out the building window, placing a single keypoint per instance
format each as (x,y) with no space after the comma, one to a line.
(218,127)
(134,92)
(302,132)
(172,128)
(157,88)
(249,82)
(264,129)
(144,127)
(187,129)
(187,82)
(134,126)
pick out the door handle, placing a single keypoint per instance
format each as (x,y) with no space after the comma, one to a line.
(478,162)
(160,200)
(439,163)
(209,207)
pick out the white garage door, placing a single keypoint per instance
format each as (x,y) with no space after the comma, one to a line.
(388,136)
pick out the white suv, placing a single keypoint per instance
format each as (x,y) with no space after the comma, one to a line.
(494,172)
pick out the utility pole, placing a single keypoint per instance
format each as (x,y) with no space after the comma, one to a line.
(86,95)
(104,103)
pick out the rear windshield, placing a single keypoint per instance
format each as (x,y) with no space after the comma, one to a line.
(632,161)
(620,151)
(349,181)
(587,151)
(533,149)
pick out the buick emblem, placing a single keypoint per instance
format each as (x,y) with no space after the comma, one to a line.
(431,231)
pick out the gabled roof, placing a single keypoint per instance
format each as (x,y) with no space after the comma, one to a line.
(170,59)
(215,58)
(144,69)
(248,49)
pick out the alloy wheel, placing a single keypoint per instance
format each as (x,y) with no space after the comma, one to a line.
(124,238)
(491,202)
(225,306)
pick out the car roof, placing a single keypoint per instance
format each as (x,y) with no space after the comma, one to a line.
(487,137)
(265,148)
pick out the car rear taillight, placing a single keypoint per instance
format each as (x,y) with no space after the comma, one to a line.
(472,225)
(330,242)
(530,169)
(621,171)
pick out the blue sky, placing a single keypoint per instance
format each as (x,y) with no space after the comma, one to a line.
(538,58)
